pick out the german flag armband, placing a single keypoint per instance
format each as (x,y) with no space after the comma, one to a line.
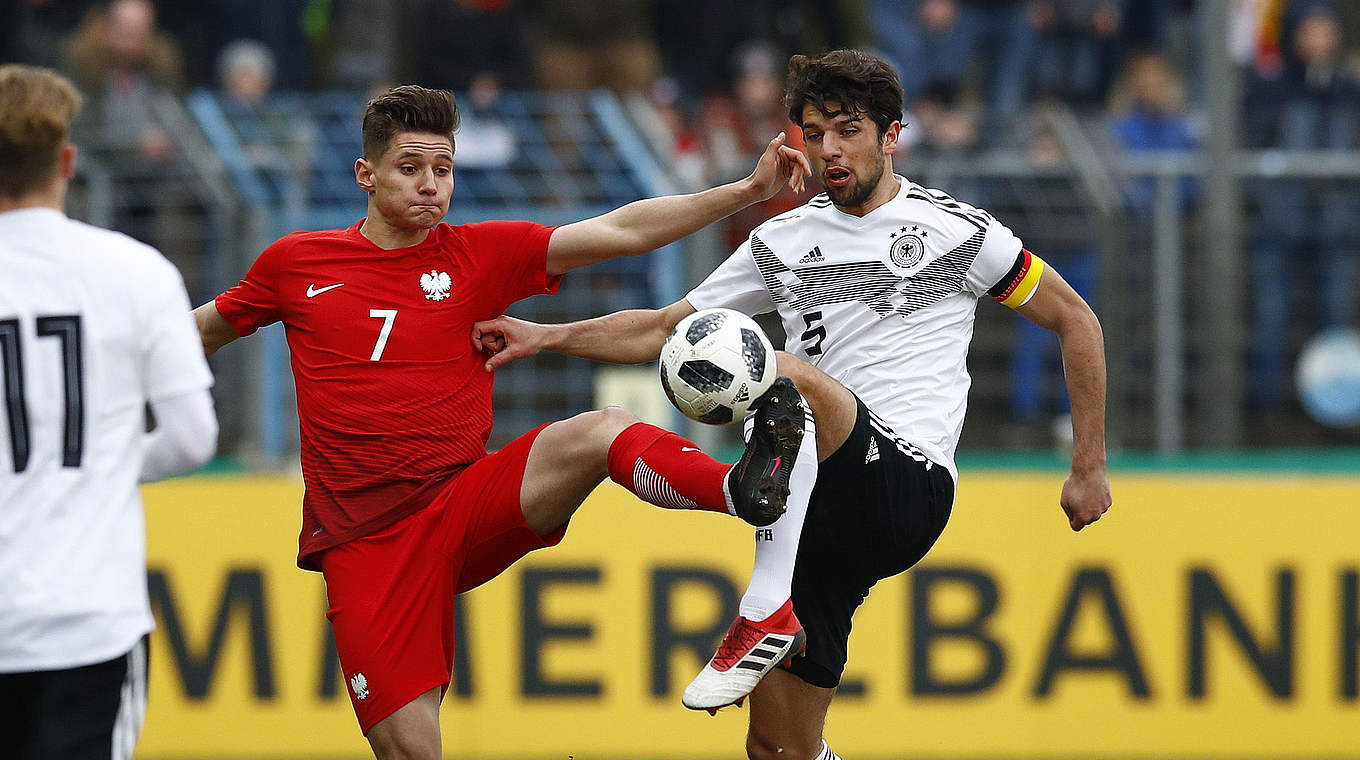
(1015,289)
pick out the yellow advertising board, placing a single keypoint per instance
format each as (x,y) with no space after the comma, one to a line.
(1205,616)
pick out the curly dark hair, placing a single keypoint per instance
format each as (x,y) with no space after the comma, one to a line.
(407,108)
(859,83)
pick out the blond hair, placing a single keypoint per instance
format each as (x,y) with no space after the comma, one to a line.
(36,109)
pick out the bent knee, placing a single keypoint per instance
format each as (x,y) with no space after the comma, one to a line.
(610,421)
(791,366)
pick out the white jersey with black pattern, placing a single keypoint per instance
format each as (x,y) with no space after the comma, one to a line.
(883,303)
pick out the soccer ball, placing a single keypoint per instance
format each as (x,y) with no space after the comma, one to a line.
(715,364)
(1328,377)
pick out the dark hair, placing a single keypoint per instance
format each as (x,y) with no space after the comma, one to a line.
(860,83)
(36,109)
(407,108)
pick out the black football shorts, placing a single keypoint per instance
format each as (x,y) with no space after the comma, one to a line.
(92,712)
(877,508)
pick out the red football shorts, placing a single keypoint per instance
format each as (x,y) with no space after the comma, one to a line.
(391,593)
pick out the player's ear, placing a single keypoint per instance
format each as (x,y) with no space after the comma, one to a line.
(890,136)
(67,161)
(363,174)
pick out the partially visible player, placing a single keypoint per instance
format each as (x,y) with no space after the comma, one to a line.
(876,282)
(92,330)
(404,508)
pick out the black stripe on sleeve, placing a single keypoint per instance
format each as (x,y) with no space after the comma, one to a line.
(1005,282)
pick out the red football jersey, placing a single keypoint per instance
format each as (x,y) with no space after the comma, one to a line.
(392,398)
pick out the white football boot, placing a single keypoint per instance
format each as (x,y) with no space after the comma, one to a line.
(748,651)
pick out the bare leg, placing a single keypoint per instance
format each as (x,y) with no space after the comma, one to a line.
(410,733)
(833,405)
(567,461)
(787,717)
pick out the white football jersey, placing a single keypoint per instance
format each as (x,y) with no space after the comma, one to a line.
(93,325)
(883,303)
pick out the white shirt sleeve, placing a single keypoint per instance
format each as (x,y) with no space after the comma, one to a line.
(172,351)
(185,436)
(994,261)
(735,284)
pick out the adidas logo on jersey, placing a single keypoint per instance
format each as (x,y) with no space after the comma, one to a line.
(872,454)
(813,256)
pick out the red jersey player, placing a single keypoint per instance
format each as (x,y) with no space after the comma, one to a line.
(404,508)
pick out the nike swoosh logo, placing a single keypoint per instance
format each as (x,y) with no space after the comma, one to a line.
(775,468)
(689,448)
(313,290)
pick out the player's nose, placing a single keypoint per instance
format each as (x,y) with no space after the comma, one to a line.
(831,147)
(427,183)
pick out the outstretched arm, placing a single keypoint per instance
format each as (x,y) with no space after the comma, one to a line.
(624,337)
(649,224)
(213,328)
(1057,307)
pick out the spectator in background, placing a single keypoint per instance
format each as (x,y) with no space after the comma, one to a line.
(696,39)
(1149,113)
(1007,40)
(930,42)
(982,47)
(125,65)
(487,140)
(129,69)
(1078,48)
(277,136)
(584,44)
(941,124)
(204,29)
(732,128)
(1305,227)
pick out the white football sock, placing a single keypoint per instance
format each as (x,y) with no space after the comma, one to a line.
(777,543)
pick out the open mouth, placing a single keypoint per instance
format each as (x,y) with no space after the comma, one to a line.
(837,176)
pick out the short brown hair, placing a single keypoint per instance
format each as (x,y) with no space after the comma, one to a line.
(36,109)
(861,83)
(407,108)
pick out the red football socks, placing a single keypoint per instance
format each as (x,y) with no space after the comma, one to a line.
(664,469)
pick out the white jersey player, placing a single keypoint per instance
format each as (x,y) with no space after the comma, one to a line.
(94,326)
(876,282)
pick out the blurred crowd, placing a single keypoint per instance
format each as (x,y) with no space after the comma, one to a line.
(975,74)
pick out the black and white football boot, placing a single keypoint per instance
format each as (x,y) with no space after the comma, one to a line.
(759,483)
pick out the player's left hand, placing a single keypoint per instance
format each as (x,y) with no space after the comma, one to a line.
(779,164)
(1085,498)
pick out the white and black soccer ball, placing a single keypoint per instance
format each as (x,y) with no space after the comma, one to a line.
(715,364)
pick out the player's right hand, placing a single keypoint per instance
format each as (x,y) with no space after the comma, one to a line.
(1085,498)
(505,339)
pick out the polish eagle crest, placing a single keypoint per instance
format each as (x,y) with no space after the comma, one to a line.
(436,285)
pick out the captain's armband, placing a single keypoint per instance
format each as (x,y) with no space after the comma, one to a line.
(1019,284)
